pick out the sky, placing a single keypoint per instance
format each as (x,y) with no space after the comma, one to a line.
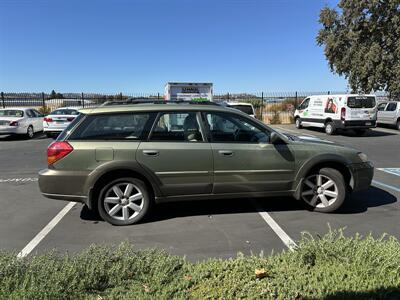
(137,46)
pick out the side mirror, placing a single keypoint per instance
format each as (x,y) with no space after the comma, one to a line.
(276,139)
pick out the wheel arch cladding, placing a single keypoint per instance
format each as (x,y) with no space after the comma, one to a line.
(102,177)
(325,161)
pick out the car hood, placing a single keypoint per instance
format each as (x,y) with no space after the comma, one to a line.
(309,139)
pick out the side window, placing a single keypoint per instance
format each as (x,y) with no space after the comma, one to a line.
(30,113)
(177,126)
(231,128)
(304,104)
(391,106)
(381,106)
(121,126)
(37,113)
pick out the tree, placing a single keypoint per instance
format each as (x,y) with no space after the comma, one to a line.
(362,42)
(54,95)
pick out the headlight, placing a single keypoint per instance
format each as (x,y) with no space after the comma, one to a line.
(363,156)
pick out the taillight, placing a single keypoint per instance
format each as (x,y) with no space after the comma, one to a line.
(58,150)
(48,120)
(343,113)
(13,123)
(70,119)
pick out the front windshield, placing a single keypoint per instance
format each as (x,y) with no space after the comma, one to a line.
(11,113)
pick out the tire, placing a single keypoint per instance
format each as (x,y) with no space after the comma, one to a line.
(330,128)
(118,209)
(297,123)
(398,125)
(49,135)
(360,132)
(319,188)
(30,132)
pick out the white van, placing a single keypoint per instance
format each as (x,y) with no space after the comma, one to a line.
(332,112)
(247,108)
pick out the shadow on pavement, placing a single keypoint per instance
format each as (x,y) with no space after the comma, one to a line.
(351,133)
(357,203)
(20,137)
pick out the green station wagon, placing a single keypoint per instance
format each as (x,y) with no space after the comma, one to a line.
(122,159)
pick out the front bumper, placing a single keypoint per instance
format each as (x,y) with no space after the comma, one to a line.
(362,174)
(63,185)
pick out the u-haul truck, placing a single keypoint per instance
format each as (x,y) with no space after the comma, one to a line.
(188,91)
(332,112)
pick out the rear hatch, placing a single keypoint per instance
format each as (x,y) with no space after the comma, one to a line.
(361,108)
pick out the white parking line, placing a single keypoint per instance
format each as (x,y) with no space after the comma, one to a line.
(45,231)
(393,171)
(393,131)
(386,185)
(28,179)
(275,227)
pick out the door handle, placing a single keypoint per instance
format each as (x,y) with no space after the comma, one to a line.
(150,152)
(226,152)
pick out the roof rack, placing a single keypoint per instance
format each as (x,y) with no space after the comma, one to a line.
(130,101)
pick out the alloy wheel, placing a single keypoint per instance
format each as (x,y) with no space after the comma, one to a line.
(319,191)
(123,201)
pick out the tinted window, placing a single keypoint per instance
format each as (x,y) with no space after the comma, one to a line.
(71,112)
(71,125)
(247,109)
(176,126)
(11,113)
(122,126)
(30,113)
(382,106)
(231,128)
(361,102)
(304,104)
(391,106)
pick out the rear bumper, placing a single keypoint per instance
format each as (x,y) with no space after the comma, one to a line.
(52,129)
(362,174)
(359,124)
(63,185)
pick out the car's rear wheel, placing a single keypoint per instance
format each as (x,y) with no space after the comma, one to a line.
(298,123)
(124,201)
(398,125)
(324,190)
(30,132)
(330,128)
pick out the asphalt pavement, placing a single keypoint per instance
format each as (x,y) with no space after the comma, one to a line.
(197,230)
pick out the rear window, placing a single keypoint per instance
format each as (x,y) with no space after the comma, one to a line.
(11,113)
(247,109)
(361,102)
(71,112)
(122,126)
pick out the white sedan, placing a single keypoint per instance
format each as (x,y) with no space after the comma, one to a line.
(22,121)
(58,120)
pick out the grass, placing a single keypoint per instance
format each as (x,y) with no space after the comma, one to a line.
(331,267)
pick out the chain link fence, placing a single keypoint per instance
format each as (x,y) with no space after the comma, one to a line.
(272,108)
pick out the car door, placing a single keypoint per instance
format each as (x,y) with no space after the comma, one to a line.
(381,112)
(178,154)
(38,120)
(303,109)
(244,159)
(390,113)
(31,119)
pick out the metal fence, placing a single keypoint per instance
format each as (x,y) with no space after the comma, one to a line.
(276,108)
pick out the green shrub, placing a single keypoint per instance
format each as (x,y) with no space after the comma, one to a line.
(330,267)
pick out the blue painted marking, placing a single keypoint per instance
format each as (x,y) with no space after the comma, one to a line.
(386,185)
(393,171)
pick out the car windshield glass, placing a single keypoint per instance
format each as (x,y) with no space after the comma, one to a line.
(70,112)
(244,108)
(11,113)
(361,102)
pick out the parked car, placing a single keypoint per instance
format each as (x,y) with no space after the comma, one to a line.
(389,113)
(247,108)
(21,121)
(58,120)
(120,160)
(332,112)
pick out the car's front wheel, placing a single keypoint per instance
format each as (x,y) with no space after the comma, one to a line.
(124,201)
(324,190)
(298,123)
